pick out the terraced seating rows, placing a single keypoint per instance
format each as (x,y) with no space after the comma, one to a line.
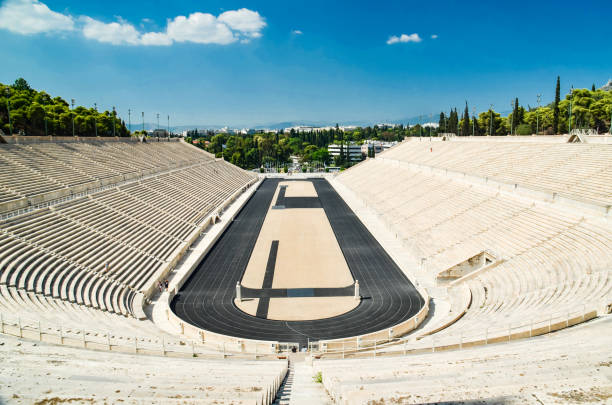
(42,373)
(577,171)
(52,170)
(571,366)
(552,261)
(102,249)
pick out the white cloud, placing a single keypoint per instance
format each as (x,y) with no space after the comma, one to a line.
(116,33)
(297,32)
(155,38)
(247,22)
(32,17)
(404,38)
(201,28)
(434,36)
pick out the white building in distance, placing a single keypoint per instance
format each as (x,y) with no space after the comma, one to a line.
(354,151)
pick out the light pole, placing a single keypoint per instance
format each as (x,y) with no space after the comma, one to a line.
(129,120)
(473,120)
(157,120)
(72,114)
(96,119)
(143,123)
(114,115)
(168,125)
(512,120)
(538,116)
(491,122)
(45,115)
(8,108)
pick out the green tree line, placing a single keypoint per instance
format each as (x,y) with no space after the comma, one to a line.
(36,113)
(590,109)
(275,148)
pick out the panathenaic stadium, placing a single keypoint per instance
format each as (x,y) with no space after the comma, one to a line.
(473,270)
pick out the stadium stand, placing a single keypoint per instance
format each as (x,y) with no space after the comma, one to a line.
(545,369)
(577,171)
(510,238)
(552,263)
(43,373)
(125,212)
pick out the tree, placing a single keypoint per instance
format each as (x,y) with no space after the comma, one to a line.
(555,126)
(37,113)
(593,87)
(514,121)
(465,122)
(21,85)
(476,127)
(497,126)
(442,123)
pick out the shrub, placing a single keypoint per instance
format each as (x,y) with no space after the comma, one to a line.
(524,129)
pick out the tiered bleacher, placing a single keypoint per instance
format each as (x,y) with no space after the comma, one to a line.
(96,223)
(49,374)
(569,367)
(553,264)
(580,171)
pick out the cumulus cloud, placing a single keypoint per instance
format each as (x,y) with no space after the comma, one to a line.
(32,17)
(434,36)
(201,28)
(394,39)
(297,32)
(246,22)
(115,33)
(155,38)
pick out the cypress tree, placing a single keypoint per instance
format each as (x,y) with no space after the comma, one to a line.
(556,107)
(442,123)
(465,130)
(515,116)
(593,87)
(454,122)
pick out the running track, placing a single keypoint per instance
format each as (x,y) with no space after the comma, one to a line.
(206,299)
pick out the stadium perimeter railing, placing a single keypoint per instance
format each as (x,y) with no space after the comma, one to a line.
(350,347)
(433,343)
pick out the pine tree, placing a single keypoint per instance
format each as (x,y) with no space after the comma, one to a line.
(556,106)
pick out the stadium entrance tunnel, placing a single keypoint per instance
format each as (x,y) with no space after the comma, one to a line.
(473,264)
(297,268)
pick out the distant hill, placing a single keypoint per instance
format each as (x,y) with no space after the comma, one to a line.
(607,86)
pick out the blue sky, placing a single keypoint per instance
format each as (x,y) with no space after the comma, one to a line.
(243,63)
